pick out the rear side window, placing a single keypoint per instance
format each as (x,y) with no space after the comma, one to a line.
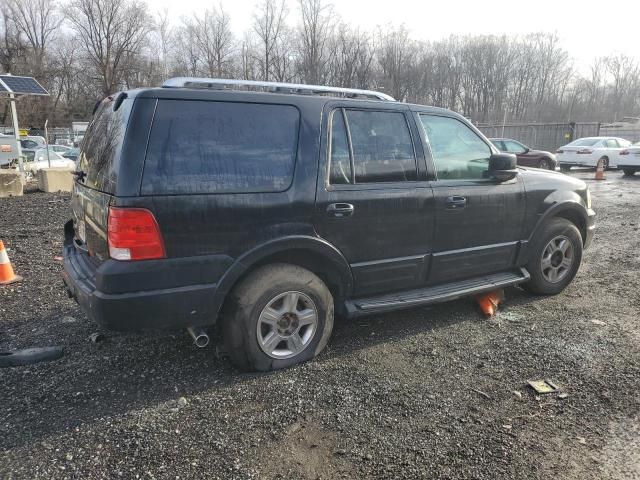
(220,147)
(382,147)
(100,154)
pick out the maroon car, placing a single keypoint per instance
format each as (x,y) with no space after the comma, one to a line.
(526,156)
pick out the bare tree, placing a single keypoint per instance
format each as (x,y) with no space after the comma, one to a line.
(315,32)
(214,39)
(38,21)
(110,31)
(269,24)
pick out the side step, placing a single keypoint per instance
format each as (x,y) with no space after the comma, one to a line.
(435,294)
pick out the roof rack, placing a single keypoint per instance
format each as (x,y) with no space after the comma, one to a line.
(273,87)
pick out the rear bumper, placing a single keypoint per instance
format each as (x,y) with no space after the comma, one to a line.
(161,308)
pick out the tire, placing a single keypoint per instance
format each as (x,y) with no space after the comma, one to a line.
(565,168)
(628,172)
(544,164)
(605,163)
(246,320)
(541,262)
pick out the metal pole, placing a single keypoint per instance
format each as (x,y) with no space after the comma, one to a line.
(16,131)
(46,141)
(504,120)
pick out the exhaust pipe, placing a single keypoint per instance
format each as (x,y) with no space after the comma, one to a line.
(200,337)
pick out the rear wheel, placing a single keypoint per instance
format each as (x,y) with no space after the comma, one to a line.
(605,163)
(544,164)
(565,168)
(556,254)
(628,171)
(278,316)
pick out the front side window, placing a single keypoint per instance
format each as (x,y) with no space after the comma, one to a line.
(514,147)
(611,143)
(458,153)
(220,147)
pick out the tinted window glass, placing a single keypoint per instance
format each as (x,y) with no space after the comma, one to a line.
(100,153)
(499,145)
(382,147)
(340,162)
(514,147)
(458,153)
(212,147)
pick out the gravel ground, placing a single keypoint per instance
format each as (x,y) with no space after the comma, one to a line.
(433,392)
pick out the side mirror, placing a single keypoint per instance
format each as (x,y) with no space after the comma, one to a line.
(503,166)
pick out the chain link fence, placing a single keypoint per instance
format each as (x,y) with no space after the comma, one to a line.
(542,136)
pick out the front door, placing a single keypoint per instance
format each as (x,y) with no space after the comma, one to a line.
(478,219)
(373,201)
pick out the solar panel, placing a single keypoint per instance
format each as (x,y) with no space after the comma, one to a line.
(2,88)
(22,85)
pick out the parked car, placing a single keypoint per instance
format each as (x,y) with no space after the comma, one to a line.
(32,142)
(72,154)
(37,159)
(629,161)
(587,152)
(268,211)
(526,156)
(61,149)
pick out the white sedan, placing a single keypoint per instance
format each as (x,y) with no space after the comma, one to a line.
(40,160)
(629,160)
(587,152)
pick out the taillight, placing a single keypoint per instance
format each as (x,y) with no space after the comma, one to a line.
(624,152)
(559,151)
(134,234)
(584,151)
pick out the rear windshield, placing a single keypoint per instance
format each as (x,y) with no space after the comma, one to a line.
(100,153)
(584,142)
(220,147)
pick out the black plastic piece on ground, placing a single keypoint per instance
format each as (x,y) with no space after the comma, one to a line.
(28,356)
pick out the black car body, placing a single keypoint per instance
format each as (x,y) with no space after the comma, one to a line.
(527,157)
(226,183)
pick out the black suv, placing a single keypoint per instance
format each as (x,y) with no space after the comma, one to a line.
(268,207)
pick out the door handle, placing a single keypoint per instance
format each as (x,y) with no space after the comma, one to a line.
(456,202)
(340,210)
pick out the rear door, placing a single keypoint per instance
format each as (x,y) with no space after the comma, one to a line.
(99,161)
(479,221)
(373,201)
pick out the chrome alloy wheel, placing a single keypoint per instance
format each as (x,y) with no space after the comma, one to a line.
(287,325)
(557,259)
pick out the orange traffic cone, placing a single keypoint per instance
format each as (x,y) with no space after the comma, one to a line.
(489,302)
(600,170)
(7,275)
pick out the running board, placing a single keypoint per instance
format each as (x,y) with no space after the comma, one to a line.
(436,294)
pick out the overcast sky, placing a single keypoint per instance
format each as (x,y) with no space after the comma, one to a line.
(586,28)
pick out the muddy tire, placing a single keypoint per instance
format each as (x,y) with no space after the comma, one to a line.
(278,316)
(556,254)
(628,172)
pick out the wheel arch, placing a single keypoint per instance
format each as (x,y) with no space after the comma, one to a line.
(571,209)
(312,253)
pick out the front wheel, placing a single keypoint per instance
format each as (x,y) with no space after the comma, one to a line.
(278,316)
(556,254)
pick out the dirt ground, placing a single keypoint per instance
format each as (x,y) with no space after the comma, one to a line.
(433,392)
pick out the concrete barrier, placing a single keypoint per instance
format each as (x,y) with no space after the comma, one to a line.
(55,180)
(10,183)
